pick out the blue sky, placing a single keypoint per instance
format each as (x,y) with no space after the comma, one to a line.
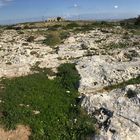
(12,10)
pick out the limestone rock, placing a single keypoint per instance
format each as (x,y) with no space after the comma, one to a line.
(70,40)
(118,116)
(100,71)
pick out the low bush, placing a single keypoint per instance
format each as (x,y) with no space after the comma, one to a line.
(52,39)
(30,39)
(69,76)
(55,38)
(72,25)
(64,35)
(9,27)
(117,45)
(131,94)
(54,27)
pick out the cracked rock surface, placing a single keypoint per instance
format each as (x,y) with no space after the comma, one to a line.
(118,116)
(99,64)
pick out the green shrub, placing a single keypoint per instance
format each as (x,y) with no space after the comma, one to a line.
(30,39)
(137,21)
(131,94)
(86,27)
(20,32)
(117,45)
(33,52)
(84,46)
(26,27)
(72,25)
(52,39)
(54,27)
(9,27)
(68,76)
(8,63)
(64,35)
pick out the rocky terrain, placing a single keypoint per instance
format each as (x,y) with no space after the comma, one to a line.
(118,115)
(103,57)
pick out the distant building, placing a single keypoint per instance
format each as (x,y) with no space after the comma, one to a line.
(56,19)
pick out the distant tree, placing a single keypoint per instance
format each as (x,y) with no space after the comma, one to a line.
(137,21)
(59,18)
(103,22)
(124,23)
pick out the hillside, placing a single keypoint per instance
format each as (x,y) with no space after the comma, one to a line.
(70,80)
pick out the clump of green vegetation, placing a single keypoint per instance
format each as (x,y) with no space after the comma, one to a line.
(84,46)
(136,31)
(33,52)
(20,32)
(100,40)
(30,39)
(54,27)
(13,27)
(84,28)
(123,84)
(69,76)
(27,27)
(103,24)
(117,45)
(137,22)
(131,94)
(55,38)
(9,27)
(8,63)
(64,35)
(52,39)
(133,23)
(89,53)
(72,25)
(58,114)
(48,71)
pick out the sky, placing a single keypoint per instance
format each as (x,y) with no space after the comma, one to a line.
(23,10)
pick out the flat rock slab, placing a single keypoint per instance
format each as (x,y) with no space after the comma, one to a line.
(99,71)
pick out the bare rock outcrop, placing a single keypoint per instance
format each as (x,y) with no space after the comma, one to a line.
(117,113)
(100,70)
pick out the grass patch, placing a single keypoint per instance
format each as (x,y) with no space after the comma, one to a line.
(52,39)
(136,32)
(55,27)
(117,45)
(56,37)
(123,84)
(64,35)
(92,25)
(59,114)
(71,25)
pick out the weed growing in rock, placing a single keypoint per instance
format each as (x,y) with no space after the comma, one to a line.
(123,84)
(117,45)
